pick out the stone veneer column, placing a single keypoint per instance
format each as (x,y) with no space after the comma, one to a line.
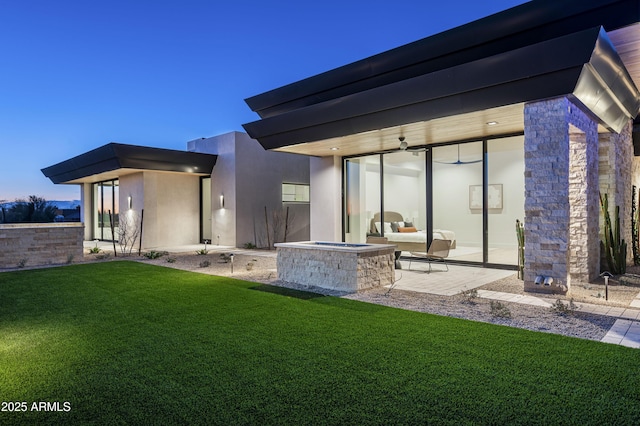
(616,178)
(561,204)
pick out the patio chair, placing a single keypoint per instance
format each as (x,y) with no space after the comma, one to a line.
(438,251)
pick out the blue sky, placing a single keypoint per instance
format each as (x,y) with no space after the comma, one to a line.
(75,75)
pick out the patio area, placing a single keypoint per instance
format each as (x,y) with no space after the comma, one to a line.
(442,282)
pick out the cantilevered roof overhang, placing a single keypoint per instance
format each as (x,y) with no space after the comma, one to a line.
(538,50)
(114,160)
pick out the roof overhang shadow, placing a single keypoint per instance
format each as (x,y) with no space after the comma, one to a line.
(115,156)
(583,65)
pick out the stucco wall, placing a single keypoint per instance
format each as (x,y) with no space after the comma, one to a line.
(40,244)
(132,185)
(326,204)
(259,178)
(250,179)
(171,203)
(171,209)
(223,182)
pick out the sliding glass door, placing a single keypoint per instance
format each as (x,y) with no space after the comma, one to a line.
(206,232)
(106,207)
(470,193)
(362,197)
(405,197)
(458,199)
(505,171)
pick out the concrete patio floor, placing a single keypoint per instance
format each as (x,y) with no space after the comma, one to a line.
(443,282)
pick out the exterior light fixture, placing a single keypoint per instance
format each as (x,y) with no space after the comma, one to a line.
(335,148)
(222,201)
(491,123)
(129,201)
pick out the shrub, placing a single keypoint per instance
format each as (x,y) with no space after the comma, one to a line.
(171,259)
(202,252)
(499,310)
(21,263)
(205,264)
(564,309)
(154,254)
(470,296)
(249,246)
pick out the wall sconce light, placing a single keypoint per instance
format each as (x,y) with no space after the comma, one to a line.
(222,201)
(129,201)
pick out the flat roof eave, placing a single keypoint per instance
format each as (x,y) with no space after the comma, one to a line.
(526,24)
(108,161)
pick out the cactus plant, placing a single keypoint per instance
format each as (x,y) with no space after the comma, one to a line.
(614,247)
(520,236)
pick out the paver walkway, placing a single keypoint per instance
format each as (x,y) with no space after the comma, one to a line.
(625,331)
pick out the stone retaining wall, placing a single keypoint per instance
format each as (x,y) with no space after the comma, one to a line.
(337,270)
(40,244)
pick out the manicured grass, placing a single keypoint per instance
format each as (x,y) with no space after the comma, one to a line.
(125,342)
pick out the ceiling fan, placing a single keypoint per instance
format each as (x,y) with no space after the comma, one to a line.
(404,146)
(458,162)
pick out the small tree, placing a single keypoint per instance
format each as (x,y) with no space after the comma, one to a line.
(34,209)
(128,232)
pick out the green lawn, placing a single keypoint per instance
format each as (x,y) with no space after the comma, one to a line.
(125,342)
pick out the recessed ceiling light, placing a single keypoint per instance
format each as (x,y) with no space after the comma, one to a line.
(335,148)
(491,123)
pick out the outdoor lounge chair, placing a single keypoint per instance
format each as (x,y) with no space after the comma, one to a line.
(438,251)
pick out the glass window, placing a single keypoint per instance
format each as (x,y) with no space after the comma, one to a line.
(362,198)
(405,196)
(505,167)
(106,208)
(205,209)
(295,193)
(457,199)
(473,197)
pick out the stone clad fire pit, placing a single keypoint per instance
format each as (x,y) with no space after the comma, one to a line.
(336,266)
